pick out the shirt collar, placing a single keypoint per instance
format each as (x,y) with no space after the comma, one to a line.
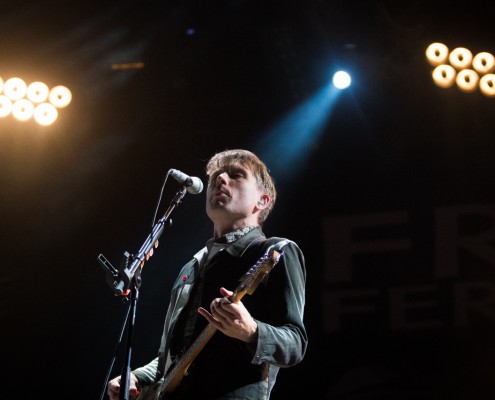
(233,236)
(230,237)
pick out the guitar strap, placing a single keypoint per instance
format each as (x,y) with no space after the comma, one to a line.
(278,245)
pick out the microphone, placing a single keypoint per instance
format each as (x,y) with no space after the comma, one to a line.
(193,185)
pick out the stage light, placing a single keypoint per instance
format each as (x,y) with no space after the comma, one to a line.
(22,109)
(5,106)
(487,85)
(437,53)
(341,80)
(37,92)
(484,63)
(15,88)
(470,73)
(34,100)
(45,114)
(60,96)
(460,58)
(467,80)
(444,75)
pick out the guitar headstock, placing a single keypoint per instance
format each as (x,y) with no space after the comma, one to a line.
(252,278)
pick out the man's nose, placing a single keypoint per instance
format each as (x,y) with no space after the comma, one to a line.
(222,178)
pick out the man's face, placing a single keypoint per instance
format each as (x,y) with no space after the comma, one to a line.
(232,194)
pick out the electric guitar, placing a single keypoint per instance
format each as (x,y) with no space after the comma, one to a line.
(248,283)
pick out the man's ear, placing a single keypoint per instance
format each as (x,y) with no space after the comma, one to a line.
(264,201)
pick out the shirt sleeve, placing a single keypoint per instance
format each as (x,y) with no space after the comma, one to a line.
(285,344)
(149,373)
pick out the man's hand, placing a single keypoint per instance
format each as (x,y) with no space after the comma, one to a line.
(232,319)
(113,388)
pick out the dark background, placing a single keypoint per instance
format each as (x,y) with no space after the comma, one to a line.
(225,74)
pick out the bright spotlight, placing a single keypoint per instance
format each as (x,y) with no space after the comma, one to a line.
(5,106)
(37,92)
(15,88)
(444,75)
(45,114)
(22,110)
(437,53)
(487,85)
(341,80)
(484,63)
(460,58)
(60,96)
(467,80)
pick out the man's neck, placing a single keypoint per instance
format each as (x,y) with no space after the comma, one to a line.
(221,230)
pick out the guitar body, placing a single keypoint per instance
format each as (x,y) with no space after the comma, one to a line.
(151,392)
(155,392)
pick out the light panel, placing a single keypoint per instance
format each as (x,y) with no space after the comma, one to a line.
(461,68)
(37,100)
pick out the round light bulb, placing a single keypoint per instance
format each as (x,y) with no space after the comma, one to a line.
(467,80)
(37,92)
(444,75)
(437,53)
(460,58)
(341,80)
(14,88)
(487,85)
(484,63)
(45,114)
(60,96)
(5,106)
(22,109)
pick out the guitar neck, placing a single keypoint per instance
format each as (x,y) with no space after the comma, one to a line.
(175,376)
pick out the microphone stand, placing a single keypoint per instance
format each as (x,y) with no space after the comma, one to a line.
(127,281)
